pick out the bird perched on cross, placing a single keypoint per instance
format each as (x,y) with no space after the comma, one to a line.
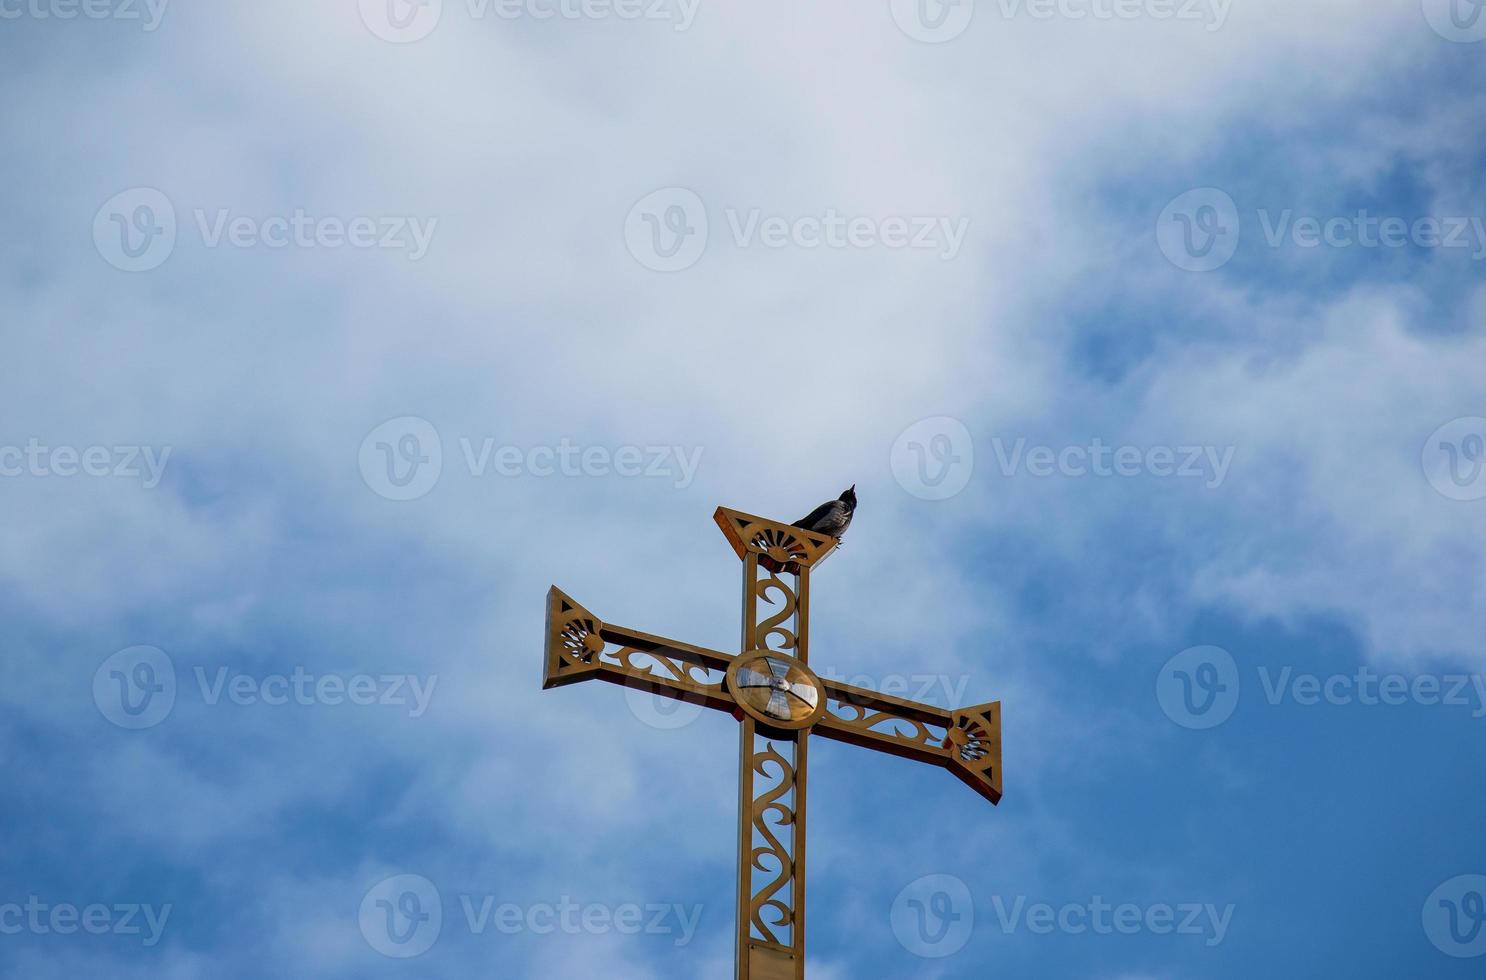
(832,517)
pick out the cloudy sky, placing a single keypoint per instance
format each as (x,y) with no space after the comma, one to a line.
(334,333)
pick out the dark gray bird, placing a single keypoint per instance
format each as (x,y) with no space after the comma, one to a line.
(832,517)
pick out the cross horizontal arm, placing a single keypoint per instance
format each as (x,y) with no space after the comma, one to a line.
(581,647)
(966,741)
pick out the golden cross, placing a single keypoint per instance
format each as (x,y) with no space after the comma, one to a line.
(779,701)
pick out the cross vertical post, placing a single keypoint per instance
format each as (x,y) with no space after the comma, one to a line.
(772,777)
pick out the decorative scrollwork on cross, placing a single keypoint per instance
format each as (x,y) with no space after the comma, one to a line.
(771,908)
(581,641)
(664,667)
(574,638)
(785,639)
(976,739)
(580,646)
(778,547)
(887,725)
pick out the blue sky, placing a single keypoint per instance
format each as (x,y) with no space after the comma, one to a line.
(335,333)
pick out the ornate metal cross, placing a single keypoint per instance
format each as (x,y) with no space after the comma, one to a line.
(779,701)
